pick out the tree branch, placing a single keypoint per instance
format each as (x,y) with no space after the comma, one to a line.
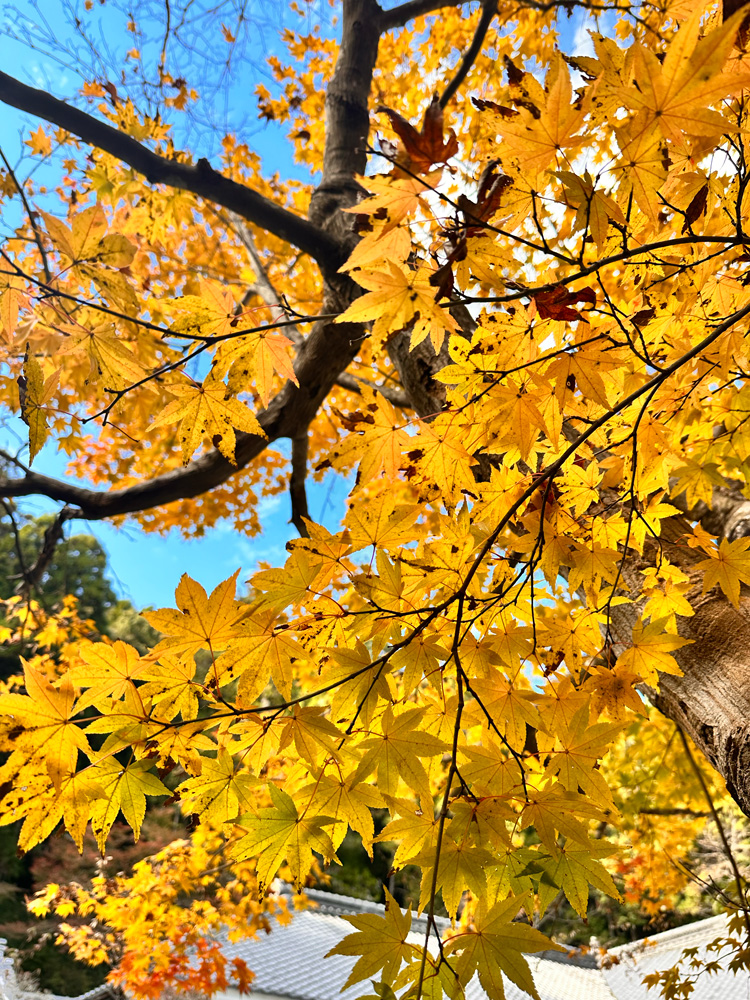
(674,811)
(297,489)
(489,9)
(325,354)
(263,286)
(201,179)
(397,17)
(11,514)
(30,214)
(394,396)
(347,118)
(53,534)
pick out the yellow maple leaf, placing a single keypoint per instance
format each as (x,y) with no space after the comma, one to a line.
(207,410)
(281,833)
(39,142)
(254,358)
(107,671)
(11,300)
(511,706)
(595,209)
(615,690)
(347,802)
(493,946)
(728,566)
(574,868)
(380,245)
(394,197)
(380,942)
(381,522)
(171,688)
(379,442)
(260,647)
(536,136)
(553,810)
(124,790)
(462,866)
(110,358)
(578,748)
(35,392)
(650,651)
(675,95)
(396,299)
(396,754)
(221,791)
(46,715)
(313,734)
(212,313)
(413,831)
(86,239)
(201,622)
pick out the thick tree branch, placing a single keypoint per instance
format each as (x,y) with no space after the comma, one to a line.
(489,9)
(325,354)
(711,700)
(201,179)
(394,396)
(347,121)
(297,490)
(397,17)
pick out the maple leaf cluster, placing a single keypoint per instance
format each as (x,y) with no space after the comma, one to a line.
(468,649)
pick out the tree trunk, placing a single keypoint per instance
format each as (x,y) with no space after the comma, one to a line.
(711,701)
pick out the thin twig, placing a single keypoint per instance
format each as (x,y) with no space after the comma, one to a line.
(720,827)
(10,511)
(30,214)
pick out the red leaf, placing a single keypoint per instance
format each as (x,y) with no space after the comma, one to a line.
(557,302)
(696,208)
(425,147)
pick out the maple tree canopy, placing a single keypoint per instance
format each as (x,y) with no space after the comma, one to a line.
(514,314)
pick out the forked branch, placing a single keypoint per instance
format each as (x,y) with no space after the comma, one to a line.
(201,179)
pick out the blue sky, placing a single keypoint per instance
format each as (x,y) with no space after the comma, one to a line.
(145,567)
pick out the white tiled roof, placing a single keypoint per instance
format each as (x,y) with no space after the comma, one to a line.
(662,951)
(289,962)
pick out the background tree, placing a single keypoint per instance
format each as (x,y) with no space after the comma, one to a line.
(524,342)
(77,566)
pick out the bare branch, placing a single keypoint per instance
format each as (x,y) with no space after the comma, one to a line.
(394,396)
(53,534)
(262,285)
(201,179)
(297,489)
(30,214)
(489,9)
(9,509)
(739,883)
(397,17)
(674,811)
